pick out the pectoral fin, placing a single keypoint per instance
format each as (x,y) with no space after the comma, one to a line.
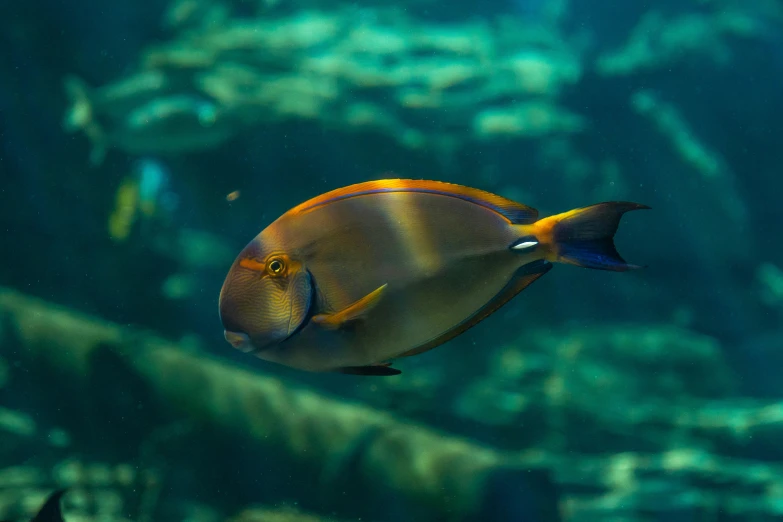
(384,369)
(351,312)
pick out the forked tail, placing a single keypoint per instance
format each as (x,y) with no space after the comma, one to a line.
(582,237)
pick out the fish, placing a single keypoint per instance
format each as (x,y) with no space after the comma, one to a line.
(144,195)
(51,510)
(146,114)
(381,270)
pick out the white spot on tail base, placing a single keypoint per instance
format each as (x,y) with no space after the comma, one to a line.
(526,245)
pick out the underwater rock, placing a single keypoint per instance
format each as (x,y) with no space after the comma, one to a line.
(291,514)
(713,172)
(747,429)
(16,423)
(525,120)
(4,371)
(683,484)
(770,279)
(20,433)
(658,41)
(620,387)
(387,72)
(95,490)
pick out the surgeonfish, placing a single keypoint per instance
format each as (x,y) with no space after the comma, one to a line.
(359,276)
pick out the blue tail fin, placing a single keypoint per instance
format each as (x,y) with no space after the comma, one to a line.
(585,236)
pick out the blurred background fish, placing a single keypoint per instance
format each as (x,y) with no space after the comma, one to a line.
(145,196)
(154,124)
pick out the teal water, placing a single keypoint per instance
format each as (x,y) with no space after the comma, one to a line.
(143,144)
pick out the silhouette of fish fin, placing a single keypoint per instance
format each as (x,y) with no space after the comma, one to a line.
(585,236)
(51,510)
(350,313)
(384,370)
(524,277)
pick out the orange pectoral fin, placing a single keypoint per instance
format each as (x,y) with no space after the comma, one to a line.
(350,313)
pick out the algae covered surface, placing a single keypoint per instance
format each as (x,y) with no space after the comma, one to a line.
(143,144)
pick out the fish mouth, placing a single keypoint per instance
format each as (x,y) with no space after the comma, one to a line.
(239,340)
(245,344)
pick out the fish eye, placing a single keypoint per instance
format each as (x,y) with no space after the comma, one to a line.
(275,266)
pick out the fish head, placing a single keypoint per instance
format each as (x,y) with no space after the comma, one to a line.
(265,299)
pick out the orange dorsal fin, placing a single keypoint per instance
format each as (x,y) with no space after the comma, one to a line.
(351,312)
(513,212)
(524,278)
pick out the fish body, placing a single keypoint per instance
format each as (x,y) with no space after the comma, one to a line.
(392,268)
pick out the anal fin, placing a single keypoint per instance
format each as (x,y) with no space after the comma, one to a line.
(351,312)
(524,277)
(383,369)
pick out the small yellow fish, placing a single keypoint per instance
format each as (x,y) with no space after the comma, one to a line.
(385,269)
